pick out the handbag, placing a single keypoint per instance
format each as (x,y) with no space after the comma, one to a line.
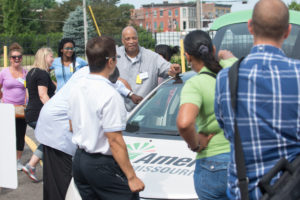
(287,187)
(20,111)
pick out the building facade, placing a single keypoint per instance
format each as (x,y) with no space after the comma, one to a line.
(176,16)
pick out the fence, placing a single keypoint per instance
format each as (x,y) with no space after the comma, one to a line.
(169,38)
(31,43)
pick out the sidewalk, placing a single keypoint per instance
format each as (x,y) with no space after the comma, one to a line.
(27,190)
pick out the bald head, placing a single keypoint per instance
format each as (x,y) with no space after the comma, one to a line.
(130,41)
(270,19)
(129,30)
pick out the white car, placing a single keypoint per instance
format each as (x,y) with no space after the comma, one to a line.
(158,154)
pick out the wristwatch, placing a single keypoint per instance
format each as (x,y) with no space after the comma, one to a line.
(196,149)
(130,94)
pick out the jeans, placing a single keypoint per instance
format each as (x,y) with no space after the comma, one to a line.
(32,124)
(210,177)
(39,150)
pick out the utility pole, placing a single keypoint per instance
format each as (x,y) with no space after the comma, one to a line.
(201,20)
(199,13)
(84,23)
(152,18)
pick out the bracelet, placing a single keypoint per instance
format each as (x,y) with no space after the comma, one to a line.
(196,148)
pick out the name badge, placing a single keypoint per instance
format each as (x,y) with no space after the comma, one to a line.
(138,80)
(71,69)
(144,75)
(22,81)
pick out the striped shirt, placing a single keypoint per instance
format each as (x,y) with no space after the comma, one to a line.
(268,113)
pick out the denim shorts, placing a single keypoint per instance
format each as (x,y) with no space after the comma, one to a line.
(210,177)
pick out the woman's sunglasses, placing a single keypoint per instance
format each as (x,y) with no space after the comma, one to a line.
(15,57)
(69,48)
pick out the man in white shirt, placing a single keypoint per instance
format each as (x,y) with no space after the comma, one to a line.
(101,167)
(53,131)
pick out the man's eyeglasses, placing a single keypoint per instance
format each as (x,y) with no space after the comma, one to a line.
(69,48)
(15,57)
(113,57)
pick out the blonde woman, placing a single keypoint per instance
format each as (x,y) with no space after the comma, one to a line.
(12,82)
(40,89)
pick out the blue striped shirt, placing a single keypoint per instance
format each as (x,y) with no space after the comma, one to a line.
(268,113)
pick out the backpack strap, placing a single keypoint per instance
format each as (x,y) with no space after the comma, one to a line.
(209,73)
(238,150)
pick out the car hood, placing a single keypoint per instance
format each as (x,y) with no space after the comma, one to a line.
(165,165)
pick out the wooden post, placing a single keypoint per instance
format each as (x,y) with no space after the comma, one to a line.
(92,14)
(4,56)
(182,56)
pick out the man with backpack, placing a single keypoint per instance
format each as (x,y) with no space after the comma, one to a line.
(268,100)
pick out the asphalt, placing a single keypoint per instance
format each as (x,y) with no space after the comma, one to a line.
(27,190)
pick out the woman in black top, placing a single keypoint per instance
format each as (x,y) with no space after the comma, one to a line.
(40,89)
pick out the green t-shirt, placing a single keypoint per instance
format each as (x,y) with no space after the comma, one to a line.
(200,91)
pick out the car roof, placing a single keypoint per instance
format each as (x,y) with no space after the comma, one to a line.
(244,16)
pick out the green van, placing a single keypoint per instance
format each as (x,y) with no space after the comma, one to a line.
(231,33)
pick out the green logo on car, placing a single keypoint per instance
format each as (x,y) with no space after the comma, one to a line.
(136,149)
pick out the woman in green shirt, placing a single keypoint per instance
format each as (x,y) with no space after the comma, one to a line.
(197,108)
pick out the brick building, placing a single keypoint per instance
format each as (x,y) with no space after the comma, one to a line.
(175,16)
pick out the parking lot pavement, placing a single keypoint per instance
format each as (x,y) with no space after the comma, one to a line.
(27,190)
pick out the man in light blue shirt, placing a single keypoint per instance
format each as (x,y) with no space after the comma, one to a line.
(141,67)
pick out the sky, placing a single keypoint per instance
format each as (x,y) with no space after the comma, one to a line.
(235,7)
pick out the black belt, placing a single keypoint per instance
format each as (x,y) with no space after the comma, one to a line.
(92,154)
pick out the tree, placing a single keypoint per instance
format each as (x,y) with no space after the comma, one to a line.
(1,18)
(294,6)
(18,17)
(42,4)
(145,38)
(110,18)
(55,17)
(73,28)
(12,16)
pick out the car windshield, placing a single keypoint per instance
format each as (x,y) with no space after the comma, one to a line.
(158,113)
(238,40)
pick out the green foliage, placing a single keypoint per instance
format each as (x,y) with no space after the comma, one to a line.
(31,43)
(146,39)
(18,17)
(55,17)
(44,16)
(110,18)
(42,4)
(12,16)
(74,28)
(1,18)
(294,6)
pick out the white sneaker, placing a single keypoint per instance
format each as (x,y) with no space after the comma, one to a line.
(19,165)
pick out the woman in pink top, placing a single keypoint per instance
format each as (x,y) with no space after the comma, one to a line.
(12,91)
